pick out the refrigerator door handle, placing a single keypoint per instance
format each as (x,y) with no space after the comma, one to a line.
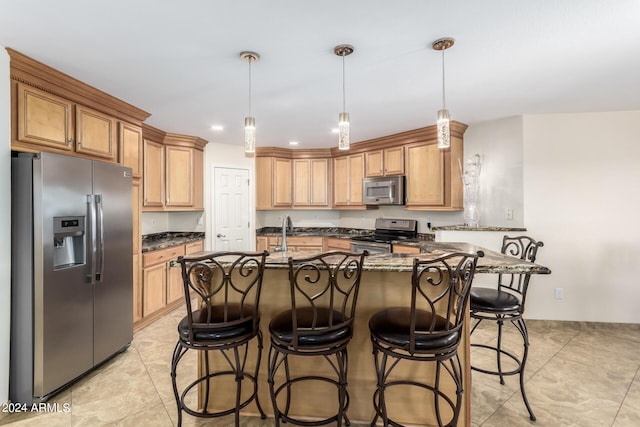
(100,238)
(91,246)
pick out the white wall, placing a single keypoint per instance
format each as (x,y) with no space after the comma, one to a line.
(228,156)
(5,223)
(499,144)
(582,198)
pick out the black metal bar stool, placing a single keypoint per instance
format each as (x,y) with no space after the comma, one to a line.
(324,290)
(507,303)
(429,330)
(227,287)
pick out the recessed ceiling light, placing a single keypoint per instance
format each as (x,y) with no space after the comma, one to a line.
(217,128)
(293,142)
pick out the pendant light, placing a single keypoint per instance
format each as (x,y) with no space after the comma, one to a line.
(343,118)
(249,122)
(444,133)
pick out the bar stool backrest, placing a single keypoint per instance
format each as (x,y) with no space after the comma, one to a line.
(227,288)
(324,287)
(526,249)
(439,296)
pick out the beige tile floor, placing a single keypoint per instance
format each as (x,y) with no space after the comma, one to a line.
(578,375)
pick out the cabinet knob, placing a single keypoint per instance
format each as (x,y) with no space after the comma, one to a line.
(221,235)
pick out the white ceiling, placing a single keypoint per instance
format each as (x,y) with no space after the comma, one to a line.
(179,60)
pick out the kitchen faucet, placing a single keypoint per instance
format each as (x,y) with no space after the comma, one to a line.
(287,225)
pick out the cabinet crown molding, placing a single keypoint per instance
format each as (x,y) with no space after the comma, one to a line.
(28,71)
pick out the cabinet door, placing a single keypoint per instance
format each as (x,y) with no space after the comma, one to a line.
(130,150)
(179,176)
(341,181)
(44,119)
(194,247)
(301,182)
(319,182)
(175,288)
(373,163)
(335,244)
(264,183)
(356,173)
(262,243)
(282,187)
(137,288)
(425,175)
(394,161)
(153,181)
(198,179)
(154,283)
(95,133)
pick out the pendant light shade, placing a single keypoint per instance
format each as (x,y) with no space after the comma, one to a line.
(443,123)
(249,122)
(343,118)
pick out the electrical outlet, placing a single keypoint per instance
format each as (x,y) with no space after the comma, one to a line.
(508,213)
(559,293)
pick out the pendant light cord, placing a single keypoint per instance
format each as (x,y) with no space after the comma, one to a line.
(250,60)
(443,99)
(344,96)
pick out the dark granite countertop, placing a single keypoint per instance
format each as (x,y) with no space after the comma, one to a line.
(463,227)
(167,239)
(492,262)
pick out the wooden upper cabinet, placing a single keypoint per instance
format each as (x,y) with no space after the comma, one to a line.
(347,182)
(130,148)
(310,181)
(282,188)
(44,119)
(198,179)
(52,111)
(153,182)
(179,176)
(264,183)
(95,133)
(389,161)
(356,173)
(47,120)
(425,175)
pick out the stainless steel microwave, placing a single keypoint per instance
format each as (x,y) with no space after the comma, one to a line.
(388,190)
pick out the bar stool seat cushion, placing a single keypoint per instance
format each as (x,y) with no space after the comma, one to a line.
(239,323)
(493,300)
(281,327)
(393,326)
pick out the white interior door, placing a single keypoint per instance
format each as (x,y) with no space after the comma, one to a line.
(231,209)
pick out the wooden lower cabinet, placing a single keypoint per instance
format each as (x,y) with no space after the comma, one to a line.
(405,249)
(262,243)
(154,281)
(309,244)
(161,289)
(335,244)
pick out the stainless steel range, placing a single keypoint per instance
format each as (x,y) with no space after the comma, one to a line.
(387,231)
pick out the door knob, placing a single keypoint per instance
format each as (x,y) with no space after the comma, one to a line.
(221,235)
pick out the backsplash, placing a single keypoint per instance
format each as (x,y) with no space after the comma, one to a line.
(159,222)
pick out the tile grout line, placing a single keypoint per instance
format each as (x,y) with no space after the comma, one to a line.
(517,390)
(625,396)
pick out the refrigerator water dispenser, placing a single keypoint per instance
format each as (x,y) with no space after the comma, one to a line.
(68,242)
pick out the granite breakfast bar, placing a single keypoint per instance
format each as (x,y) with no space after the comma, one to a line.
(386,282)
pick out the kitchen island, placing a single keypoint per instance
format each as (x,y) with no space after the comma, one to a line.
(386,282)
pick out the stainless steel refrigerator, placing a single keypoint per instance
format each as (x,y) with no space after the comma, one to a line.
(71,279)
